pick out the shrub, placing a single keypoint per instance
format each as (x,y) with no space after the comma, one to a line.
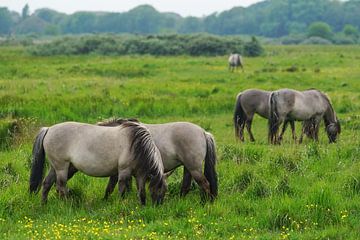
(320,29)
(158,45)
(342,39)
(253,48)
(316,40)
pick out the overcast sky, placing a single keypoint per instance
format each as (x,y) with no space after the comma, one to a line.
(183,7)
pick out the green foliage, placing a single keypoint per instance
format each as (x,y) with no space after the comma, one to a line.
(7,132)
(351,31)
(288,191)
(316,40)
(196,45)
(25,12)
(6,21)
(320,29)
(253,48)
(275,18)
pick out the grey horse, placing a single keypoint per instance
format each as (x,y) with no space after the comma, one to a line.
(310,106)
(235,60)
(100,152)
(248,103)
(181,143)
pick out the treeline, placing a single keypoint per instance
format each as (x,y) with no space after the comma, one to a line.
(271,18)
(194,44)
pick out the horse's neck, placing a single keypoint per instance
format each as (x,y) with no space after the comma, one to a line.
(330,115)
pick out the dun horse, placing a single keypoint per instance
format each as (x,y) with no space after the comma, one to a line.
(310,106)
(247,104)
(100,152)
(235,60)
(181,143)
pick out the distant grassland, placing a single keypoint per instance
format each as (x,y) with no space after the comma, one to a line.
(290,191)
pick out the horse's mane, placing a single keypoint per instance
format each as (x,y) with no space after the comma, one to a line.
(144,149)
(142,144)
(327,99)
(325,96)
(112,122)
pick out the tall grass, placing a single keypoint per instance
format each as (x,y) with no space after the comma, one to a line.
(291,191)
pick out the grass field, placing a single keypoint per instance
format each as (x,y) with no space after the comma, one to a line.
(292,191)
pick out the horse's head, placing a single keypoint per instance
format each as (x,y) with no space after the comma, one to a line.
(158,188)
(333,130)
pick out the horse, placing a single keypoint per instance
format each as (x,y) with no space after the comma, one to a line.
(310,106)
(248,103)
(235,60)
(100,152)
(181,143)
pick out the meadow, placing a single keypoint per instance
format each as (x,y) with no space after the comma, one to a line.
(291,191)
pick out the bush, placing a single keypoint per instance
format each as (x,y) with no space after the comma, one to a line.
(292,39)
(253,48)
(320,29)
(158,45)
(316,40)
(342,39)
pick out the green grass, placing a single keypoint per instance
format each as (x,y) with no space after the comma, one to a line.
(308,191)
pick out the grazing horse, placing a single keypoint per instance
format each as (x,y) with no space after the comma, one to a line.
(100,152)
(248,103)
(181,143)
(310,106)
(235,60)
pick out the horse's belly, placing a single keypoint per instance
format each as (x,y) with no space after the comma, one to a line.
(96,166)
(170,164)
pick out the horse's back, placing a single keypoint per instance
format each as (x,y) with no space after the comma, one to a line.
(255,101)
(300,105)
(178,141)
(87,146)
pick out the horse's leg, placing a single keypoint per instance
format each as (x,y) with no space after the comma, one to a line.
(51,178)
(110,186)
(47,184)
(248,128)
(123,179)
(283,130)
(71,172)
(317,121)
(186,184)
(140,183)
(292,125)
(61,178)
(274,132)
(241,131)
(203,183)
(302,133)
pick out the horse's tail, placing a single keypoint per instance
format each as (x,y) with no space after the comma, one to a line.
(210,163)
(146,154)
(38,162)
(239,116)
(273,117)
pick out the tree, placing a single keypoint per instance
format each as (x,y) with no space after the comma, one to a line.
(191,25)
(351,31)
(320,29)
(5,21)
(25,12)
(253,48)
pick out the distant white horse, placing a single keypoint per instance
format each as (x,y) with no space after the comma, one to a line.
(98,151)
(235,60)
